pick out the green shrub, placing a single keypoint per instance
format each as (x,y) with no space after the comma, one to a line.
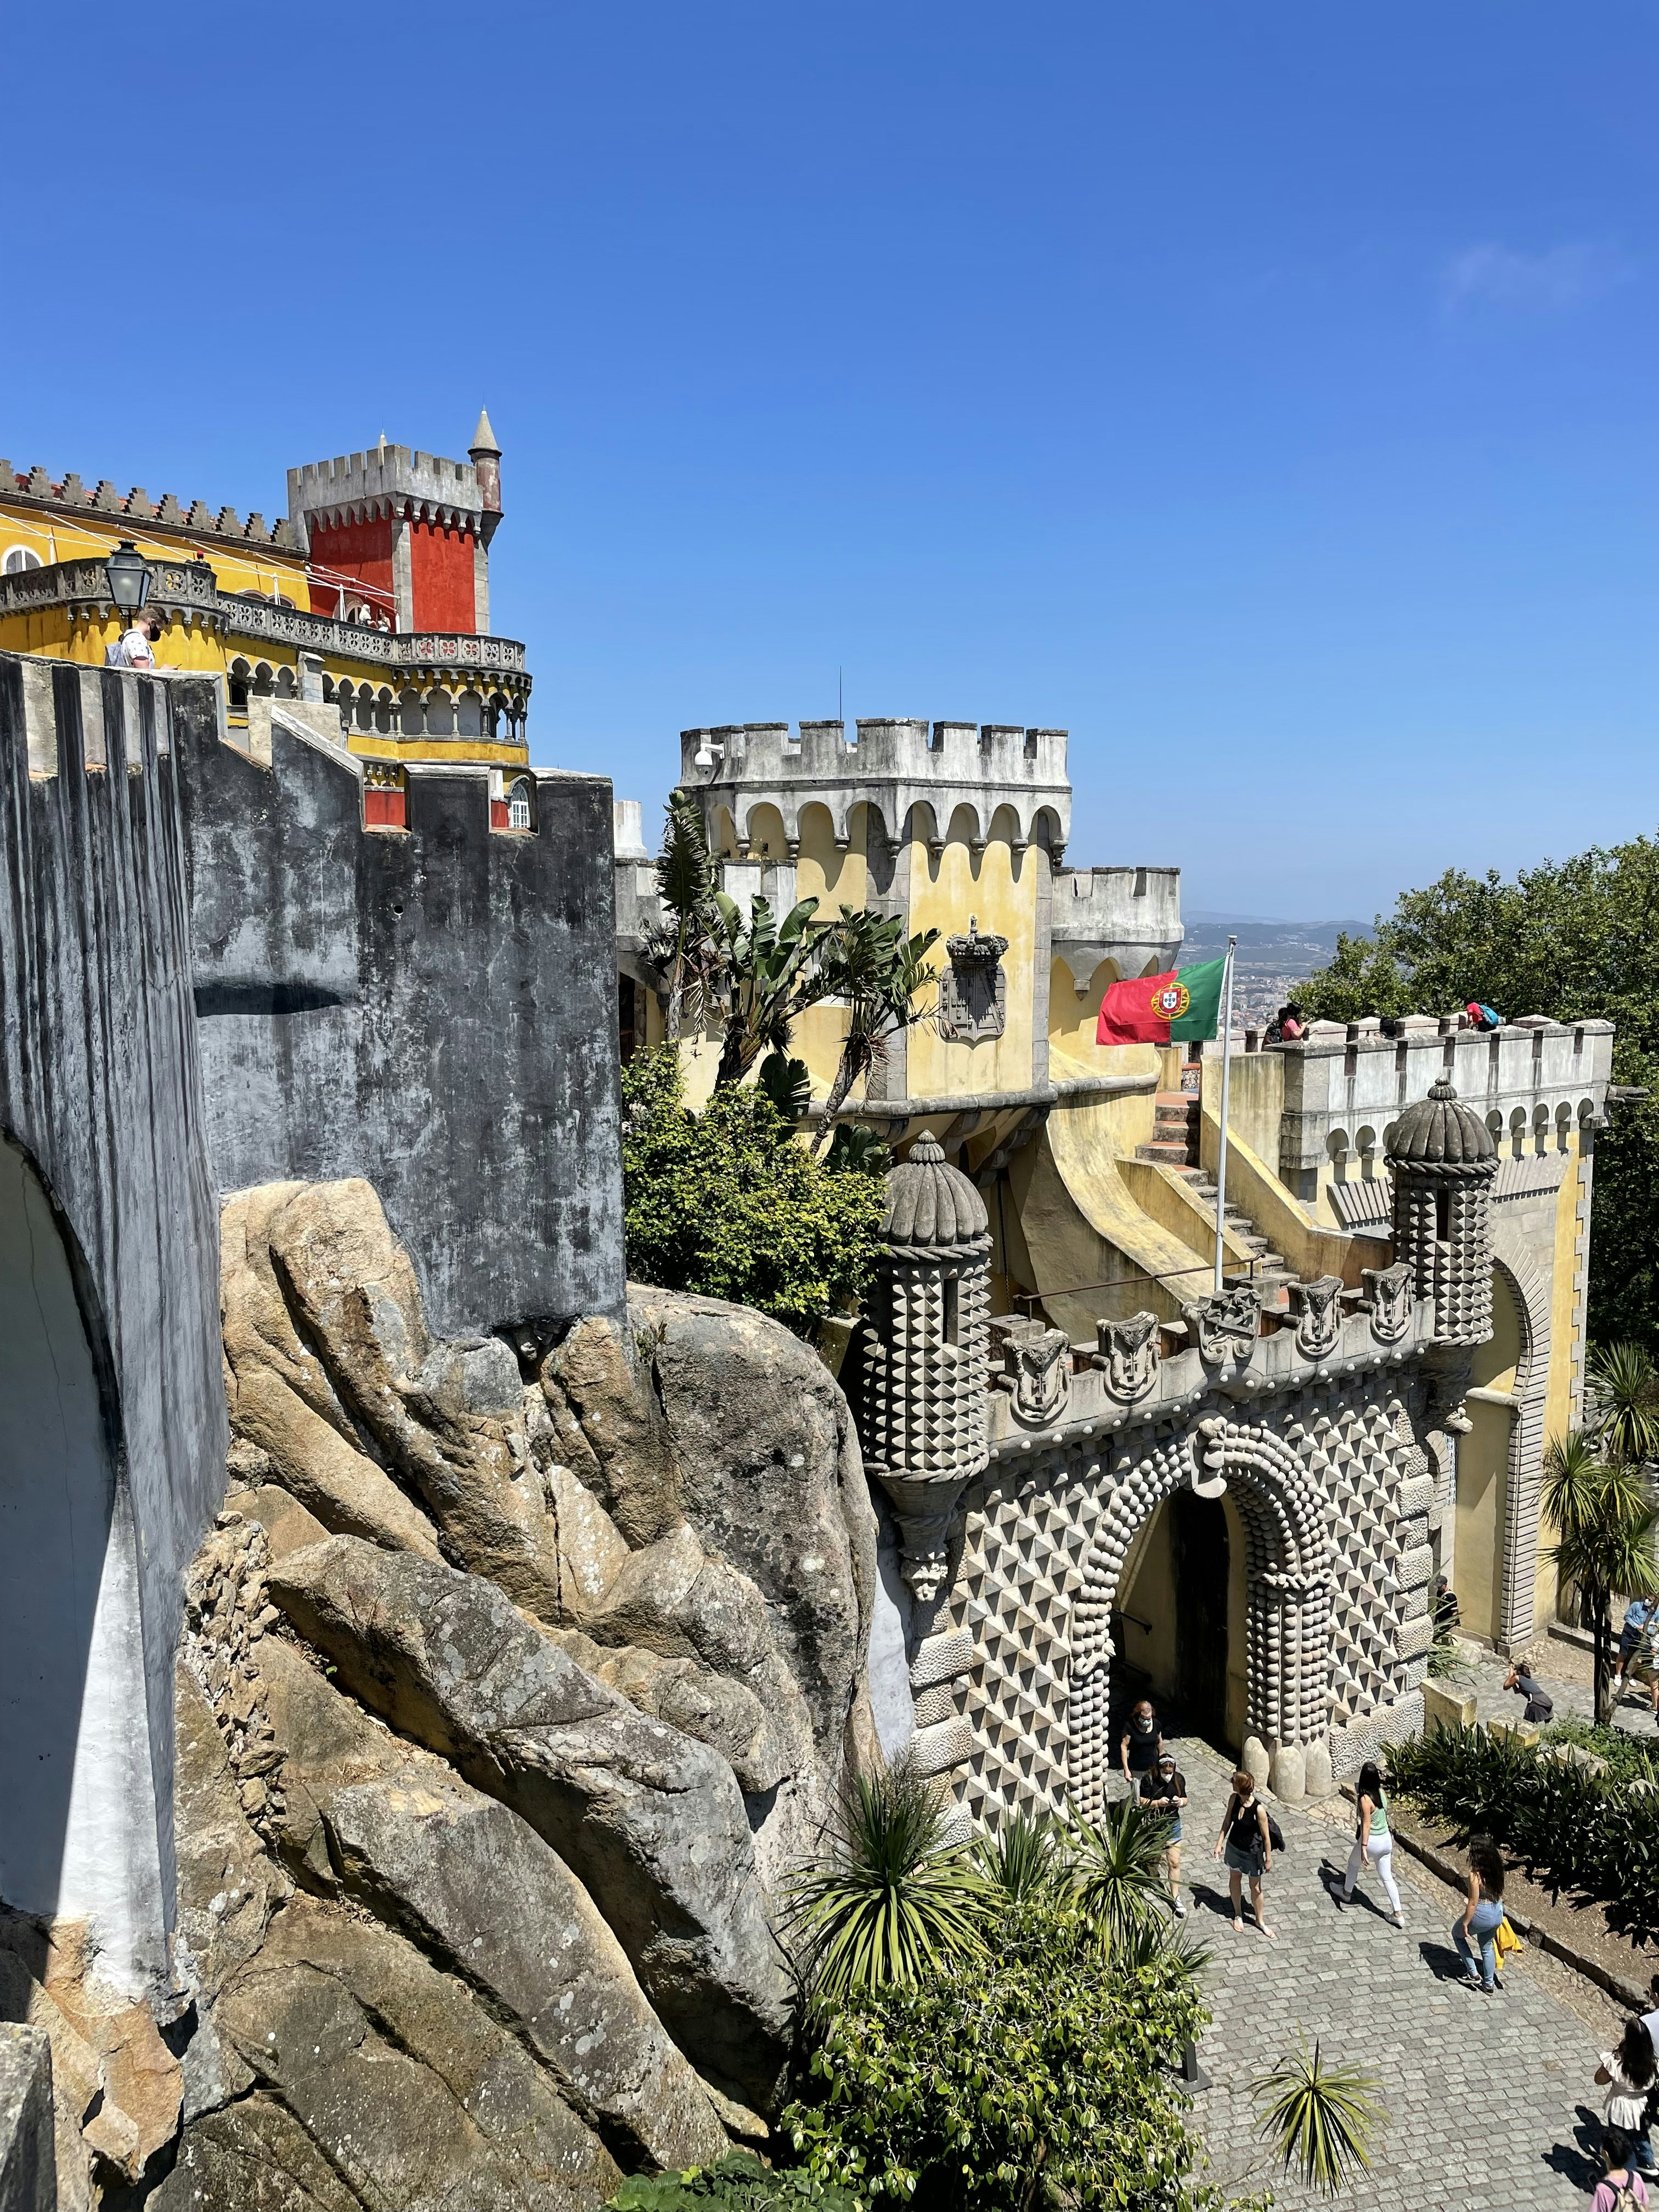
(740,2181)
(1595,1832)
(725,1203)
(1038,2072)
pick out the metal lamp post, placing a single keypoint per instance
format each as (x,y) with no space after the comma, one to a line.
(129,576)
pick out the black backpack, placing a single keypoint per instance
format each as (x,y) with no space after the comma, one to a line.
(1276,1834)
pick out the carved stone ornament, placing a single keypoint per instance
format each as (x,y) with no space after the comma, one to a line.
(1391,1300)
(1209,1457)
(1319,1315)
(926,1513)
(1227,1323)
(973,991)
(1036,1371)
(1128,1356)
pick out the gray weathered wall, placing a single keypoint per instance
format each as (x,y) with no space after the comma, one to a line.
(433,1009)
(100,1087)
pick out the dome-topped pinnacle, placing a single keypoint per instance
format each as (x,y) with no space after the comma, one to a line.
(931,1203)
(1439,1131)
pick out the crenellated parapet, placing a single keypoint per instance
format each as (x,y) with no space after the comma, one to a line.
(1130,915)
(931,780)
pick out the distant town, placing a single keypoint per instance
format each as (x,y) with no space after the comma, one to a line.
(1273,956)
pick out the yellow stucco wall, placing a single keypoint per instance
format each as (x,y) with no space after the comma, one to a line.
(1482,1469)
(61,537)
(1001,896)
(1255,1098)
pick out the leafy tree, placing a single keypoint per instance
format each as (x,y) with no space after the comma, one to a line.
(726,1203)
(884,979)
(895,1901)
(1320,2117)
(1602,1509)
(1038,2070)
(1578,939)
(737,2183)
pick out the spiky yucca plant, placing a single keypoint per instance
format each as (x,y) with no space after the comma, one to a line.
(895,1900)
(1026,1860)
(1117,1867)
(1320,2118)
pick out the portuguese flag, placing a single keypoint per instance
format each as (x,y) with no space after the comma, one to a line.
(1177,1008)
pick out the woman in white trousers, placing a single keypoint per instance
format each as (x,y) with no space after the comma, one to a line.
(1372,1840)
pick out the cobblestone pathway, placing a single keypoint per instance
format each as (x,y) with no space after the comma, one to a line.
(1490,2100)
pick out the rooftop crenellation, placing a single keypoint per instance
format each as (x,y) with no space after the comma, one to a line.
(69,494)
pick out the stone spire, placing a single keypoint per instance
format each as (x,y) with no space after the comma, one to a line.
(485,456)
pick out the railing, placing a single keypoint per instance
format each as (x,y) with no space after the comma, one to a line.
(190,587)
(1133,1288)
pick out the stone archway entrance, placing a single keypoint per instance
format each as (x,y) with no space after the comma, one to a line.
(1287,1595)
(1199,1558)
(78,1835)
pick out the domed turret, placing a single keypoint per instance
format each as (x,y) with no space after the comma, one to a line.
(921,1393)
(1443,1161)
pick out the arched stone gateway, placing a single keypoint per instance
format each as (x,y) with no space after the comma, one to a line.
(1287,1570)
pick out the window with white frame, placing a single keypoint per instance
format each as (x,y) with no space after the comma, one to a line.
(20,557)
(518,805)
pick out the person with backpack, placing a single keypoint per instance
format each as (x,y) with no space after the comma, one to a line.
(1247,1839)
(1474,1930)
(1164,1791)
(1627,2075)
(1621,2189)
(1371,1840)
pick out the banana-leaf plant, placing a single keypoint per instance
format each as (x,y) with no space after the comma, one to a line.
(773,973)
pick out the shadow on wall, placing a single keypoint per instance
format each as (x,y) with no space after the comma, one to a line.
(77,1819)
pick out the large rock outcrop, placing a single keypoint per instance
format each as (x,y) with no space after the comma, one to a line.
(515,1678)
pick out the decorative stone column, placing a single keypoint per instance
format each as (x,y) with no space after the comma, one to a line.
(1444,1162)
(921,1393)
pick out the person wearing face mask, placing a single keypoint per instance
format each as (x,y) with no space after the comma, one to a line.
(1164,1791)
(1142,1741)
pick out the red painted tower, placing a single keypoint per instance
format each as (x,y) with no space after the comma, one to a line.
(400,539)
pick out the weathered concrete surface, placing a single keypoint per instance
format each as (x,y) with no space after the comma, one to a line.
(433,1009)
(652,1823)
(100,1087)
(28,2167)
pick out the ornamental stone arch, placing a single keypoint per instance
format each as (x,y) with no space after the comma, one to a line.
(1524,1463)
(1287,1572)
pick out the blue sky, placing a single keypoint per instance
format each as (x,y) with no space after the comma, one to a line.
(1265,394)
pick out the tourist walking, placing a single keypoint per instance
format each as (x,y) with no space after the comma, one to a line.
(1627,2075)
(1138,1748)
(1165,1791)
(1247,1841)
(1371,1840)
(1621,2188)
(1641,1615)
(1473,1933)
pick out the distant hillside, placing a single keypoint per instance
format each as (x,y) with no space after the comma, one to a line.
(1273,956)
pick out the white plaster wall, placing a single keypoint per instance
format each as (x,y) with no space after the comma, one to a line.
(892,1701)
(77,1809)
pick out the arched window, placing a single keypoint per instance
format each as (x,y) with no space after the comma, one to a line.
(518,805)
(20,557)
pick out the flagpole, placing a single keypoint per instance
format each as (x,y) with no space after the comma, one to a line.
(1221,1150)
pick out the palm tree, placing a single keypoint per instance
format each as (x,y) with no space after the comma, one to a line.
(685,949)
(773,972)
(1321,2117)
(1604,1519)
(855,1150)
(885,978)
(1118,1869)
(1624,1393)
(896,1899)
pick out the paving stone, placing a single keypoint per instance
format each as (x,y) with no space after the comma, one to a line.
(1490,2100)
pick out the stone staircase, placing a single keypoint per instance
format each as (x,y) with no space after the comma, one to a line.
(1174,1145)
(1175,1130)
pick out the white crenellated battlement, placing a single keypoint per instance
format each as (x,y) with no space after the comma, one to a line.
(387,479)
(934,780)
(1131,916)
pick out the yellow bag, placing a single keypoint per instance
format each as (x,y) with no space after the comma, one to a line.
(1505,1943)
